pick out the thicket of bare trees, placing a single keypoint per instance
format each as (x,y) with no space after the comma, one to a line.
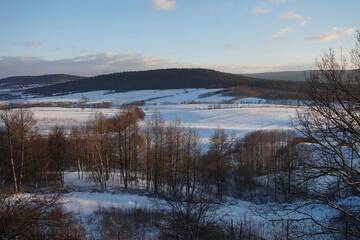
(31,161)
(119,224)
(258,152)
(217,164)
(23,151)
(36,217)
(165,159)
(162,158)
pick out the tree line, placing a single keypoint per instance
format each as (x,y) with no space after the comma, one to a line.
(162,158)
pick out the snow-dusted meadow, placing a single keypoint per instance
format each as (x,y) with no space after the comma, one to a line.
(240,120)
(201,109)
(149,97)
(155,96)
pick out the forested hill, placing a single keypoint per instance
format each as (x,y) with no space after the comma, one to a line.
(162,79)
(286,75)
(37,80)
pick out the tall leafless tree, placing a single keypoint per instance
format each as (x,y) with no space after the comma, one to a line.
(331,122)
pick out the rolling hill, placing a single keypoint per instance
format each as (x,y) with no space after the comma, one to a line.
(166,79)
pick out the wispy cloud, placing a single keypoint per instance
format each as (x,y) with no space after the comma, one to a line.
(332,34)
(282,33)
(260,10)
(293,16)
(31,44)
(87,65)
(164,5)
(278,1)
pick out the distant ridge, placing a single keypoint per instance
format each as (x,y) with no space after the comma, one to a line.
(163,79)
(284,76)
(37,80)
(298,76)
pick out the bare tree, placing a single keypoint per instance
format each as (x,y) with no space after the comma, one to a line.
(191,216)
(331,121)
(97,150)
(125,125)
(218,157)
(57,153)
(18,125)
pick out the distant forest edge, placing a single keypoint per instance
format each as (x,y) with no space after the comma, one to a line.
(236,84)
(37,80)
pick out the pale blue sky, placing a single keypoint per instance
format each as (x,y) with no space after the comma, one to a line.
(233,35)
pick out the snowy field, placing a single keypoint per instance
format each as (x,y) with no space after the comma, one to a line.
(193,107)
(149,97)
(173,96)
(239,120)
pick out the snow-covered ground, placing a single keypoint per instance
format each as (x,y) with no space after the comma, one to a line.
(251,100)
(150,97)
(241,117)
(239,120)
(268,220)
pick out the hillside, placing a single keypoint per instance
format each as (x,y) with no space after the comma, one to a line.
(25,81)
(165,79)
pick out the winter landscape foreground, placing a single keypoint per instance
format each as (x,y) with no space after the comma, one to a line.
(256,211)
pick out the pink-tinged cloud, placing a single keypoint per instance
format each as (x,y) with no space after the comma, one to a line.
(282,33)
(293,16)
(332,34)
(261,10)
(164,5)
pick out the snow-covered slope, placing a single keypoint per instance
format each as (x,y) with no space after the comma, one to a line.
(174,96)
